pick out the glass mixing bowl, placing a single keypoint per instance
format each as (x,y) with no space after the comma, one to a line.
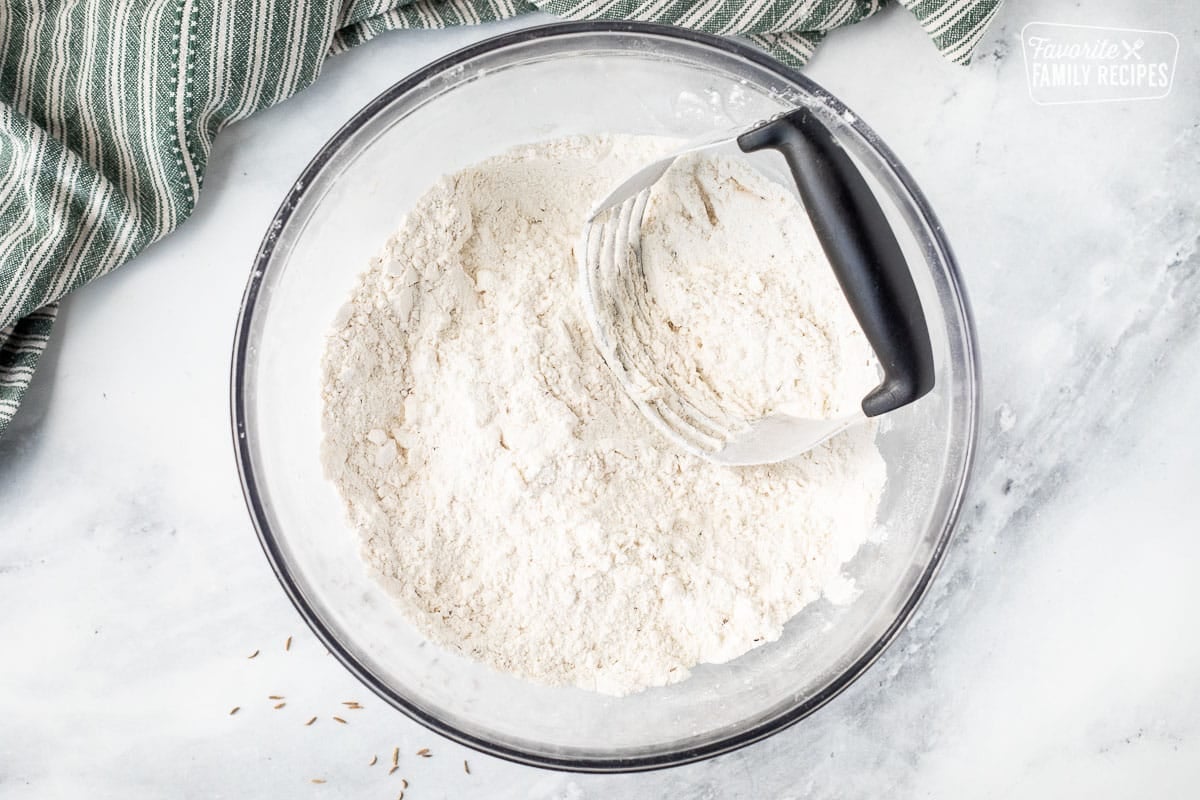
(535,84)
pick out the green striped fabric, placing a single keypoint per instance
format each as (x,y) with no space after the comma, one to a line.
(108,109)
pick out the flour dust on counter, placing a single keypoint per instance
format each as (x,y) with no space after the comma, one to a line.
(508,493)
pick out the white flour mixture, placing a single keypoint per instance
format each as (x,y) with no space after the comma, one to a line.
(511,497)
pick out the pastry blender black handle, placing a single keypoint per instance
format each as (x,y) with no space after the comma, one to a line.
(863,251)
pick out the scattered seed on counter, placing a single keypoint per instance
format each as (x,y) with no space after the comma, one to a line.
(279,706)
(339,719)
(234,710)
(288,644)
(374,760)
(424,753)
(466,767)
(311,721)
(252,655)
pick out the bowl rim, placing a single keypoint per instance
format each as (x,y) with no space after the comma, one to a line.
(271,546)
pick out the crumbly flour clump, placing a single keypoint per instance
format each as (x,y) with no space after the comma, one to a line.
(509,494)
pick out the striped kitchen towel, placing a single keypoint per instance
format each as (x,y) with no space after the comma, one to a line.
(108,109)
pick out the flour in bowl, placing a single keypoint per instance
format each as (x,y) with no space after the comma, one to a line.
(510,496)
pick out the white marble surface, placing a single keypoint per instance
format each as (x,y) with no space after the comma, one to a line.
(1057,655)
